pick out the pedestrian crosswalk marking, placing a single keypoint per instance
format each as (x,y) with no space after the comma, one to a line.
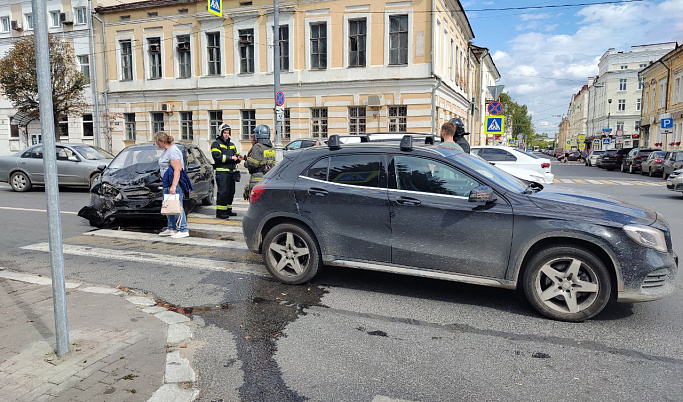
(593,181)
(580,181)
(150,237)
(610,182)
(206,227)
(191,219)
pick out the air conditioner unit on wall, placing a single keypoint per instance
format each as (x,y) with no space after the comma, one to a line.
(16,25)
(375,100)
(66,18)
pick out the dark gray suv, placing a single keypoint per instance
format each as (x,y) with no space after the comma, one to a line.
(434,212)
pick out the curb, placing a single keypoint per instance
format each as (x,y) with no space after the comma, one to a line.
(179,378)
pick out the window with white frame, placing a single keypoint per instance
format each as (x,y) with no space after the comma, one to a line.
(662,96)
(63,126)
(87,125)
(287,126)
(357,42)
(54,19)
(398,118)
(283,36)
(213,49)
(640,84)
(131,132)
(319,122)
(29,22)
(621,105)
(398,39)
(81,16)
(4,24)
(186,127)
(357,120)
(451,57)
(248,122)
(620,126)
(154,51)
(638,104)
(157,122)
(624,67)
(126,60)
(622,84)
(184,56)
(215,121)
(319,45)
(636,126)
(84,63)
(677,89)
(246,49)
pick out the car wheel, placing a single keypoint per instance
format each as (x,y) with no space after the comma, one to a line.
(291,253)
(664,175)
(622,169)
(208,200)
(567,283)
(649,172)
(20,182)
(93,178)
(630,169)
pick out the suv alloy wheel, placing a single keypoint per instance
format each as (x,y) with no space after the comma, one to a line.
(291,253)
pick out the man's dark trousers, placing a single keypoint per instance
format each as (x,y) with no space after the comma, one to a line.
(226,194)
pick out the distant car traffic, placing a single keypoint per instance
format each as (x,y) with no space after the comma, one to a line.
(503,156)
(76,166)
(435,212)
(130,187)
(613,158)
(652,166)
(633,160)
(673,160)
(592,157)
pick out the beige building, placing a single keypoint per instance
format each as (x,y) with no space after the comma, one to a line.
(348,67)
(577,115)
(563,135)
(663,98)
(487,75)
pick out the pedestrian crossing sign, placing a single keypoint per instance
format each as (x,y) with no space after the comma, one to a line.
(495,125)
(511,142)
(216,7)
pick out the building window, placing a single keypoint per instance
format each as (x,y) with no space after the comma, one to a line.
(14,131)
(126,60)
(287,126)
(640,84)
(184,59)
(4,24)
(84,62)
(678,90)
(662,97)
(357,120)
(319,45)
(621,107)
(213,49)
(620,126)
(81,16)
(284,47)
(54,19)
(248,123)
(398,118)
(87,125)
(186,129)
(131,133)
(154,51)
(63,126)
(638,104)
(319,122)
(624,67)
(357,42)
(636,126)
(451,56)
(29,22)
(398,39)
(643,65)
(246,50)
(622,84)
(157,122)
(215,120)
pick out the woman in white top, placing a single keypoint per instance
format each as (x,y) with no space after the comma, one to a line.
(172,158)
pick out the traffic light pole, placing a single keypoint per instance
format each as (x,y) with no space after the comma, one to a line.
(276,78)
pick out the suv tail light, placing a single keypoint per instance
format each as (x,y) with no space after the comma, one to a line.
(545,165)
(256,192)
(658,161)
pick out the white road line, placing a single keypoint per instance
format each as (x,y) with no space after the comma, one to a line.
(624,183)
(37,210)
(567,180)
(160,259)
(207,216)
(593,181)
(149,237)
(215,228)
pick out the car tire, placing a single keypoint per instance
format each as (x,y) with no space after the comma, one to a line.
(94,177)
(665,176)
(630,169)
(20,182)
(552,280)
(622,169)
(208,200)
(649,172)
(291,253)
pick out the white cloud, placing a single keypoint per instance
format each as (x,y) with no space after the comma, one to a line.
(543,70)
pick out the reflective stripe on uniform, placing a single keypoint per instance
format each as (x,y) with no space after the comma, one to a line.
(224,157)
(224,170)
(222,207)
(215,150)
(229,206)
(223,146)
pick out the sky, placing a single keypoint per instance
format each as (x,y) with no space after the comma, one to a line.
(546,55)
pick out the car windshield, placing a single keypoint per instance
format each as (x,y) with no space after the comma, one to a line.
(598,152)
(92,153)
(503,179)
(525,153)
(135,155)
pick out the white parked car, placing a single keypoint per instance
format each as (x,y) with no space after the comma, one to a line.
(593,157)
(675,181)
(509,157)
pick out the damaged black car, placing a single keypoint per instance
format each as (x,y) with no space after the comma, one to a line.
(130,186)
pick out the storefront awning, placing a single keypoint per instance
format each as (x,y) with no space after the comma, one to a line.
(21,119)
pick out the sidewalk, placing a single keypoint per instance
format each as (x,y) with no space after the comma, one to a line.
(122,347)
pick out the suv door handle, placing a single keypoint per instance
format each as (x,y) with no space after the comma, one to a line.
(408,201)
(317,192)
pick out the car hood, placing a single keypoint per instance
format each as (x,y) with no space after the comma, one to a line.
(586,206)
(136,175)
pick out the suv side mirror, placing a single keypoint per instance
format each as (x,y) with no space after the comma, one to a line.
(483,194)
(72,158)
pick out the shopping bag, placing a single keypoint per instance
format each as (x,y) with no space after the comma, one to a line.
(171,204)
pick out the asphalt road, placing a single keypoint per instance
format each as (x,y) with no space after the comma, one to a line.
(366,336)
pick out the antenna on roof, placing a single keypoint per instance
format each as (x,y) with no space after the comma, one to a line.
(407,143)
(333,143)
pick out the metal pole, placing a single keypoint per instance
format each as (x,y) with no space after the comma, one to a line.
(276,78)
(50,165)
(93,76)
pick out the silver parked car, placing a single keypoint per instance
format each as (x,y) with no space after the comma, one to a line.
(77,165)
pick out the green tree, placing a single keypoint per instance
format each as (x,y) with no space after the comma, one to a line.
(19,79)
(518,118)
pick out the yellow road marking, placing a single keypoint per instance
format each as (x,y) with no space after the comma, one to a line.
(214,221)
(579,181)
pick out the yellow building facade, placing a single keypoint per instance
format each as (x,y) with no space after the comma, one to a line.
(347,67)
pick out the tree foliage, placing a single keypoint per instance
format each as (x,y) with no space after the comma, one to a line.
(19,78)
(518,118)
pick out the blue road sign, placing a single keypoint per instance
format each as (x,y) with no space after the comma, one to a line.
(279,98)
(494,108)
(494,125)
(596,142)
(216,7)
(605,141)
(667,123)
(606,130)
